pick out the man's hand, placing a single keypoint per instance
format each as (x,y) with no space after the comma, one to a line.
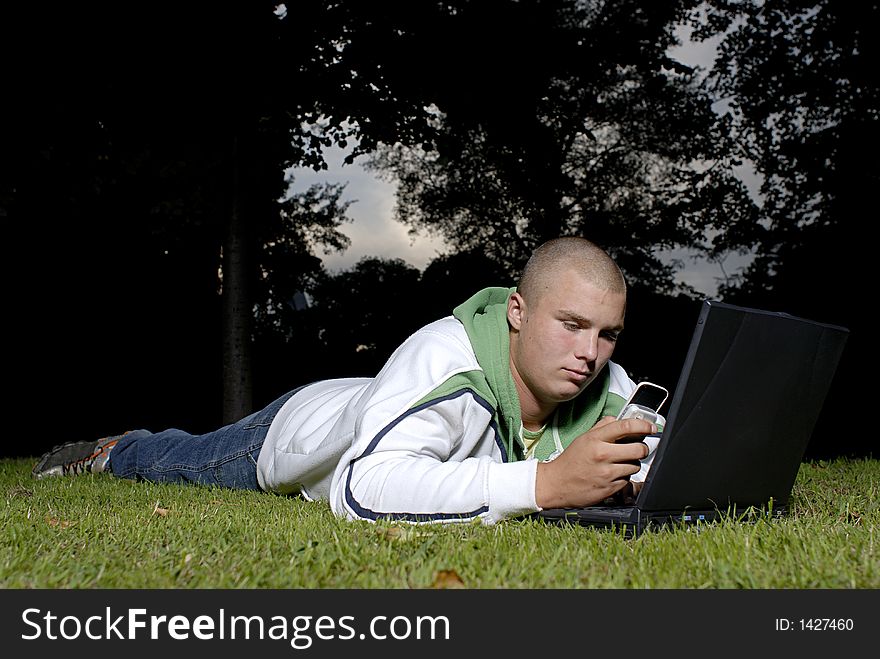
(595,466)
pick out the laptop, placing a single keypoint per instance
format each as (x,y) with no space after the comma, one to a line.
(750,391)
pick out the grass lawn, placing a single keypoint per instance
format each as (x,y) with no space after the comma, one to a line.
(100,532)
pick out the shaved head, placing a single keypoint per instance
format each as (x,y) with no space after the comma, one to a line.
(550,260)
(564,320)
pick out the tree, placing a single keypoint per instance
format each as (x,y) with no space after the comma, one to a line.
(142,158)
(571,120)
(804,105)
(147,154)
(805,109)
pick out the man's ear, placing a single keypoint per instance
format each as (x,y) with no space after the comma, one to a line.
(516,309)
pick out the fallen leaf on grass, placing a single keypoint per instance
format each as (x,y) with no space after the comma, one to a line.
(447,579)
(161,512)
(60,523)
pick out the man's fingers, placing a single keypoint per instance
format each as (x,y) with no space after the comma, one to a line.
(636,427)
(629,450)
(609,429)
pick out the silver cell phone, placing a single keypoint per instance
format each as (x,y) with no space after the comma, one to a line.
(644,402)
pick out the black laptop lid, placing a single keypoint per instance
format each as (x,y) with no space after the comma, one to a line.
(748,397)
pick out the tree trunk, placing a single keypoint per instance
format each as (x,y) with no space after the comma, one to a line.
(237,305)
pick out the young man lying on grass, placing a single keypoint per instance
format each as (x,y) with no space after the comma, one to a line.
(502,409)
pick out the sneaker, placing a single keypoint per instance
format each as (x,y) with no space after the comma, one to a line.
(76,458)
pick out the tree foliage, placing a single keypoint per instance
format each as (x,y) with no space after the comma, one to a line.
(124,156)
(505,123)
(572,120)
(801,81)
(804,105)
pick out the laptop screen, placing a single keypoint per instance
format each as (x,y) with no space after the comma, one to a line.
(743,411)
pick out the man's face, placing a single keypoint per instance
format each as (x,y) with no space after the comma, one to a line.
(562,340)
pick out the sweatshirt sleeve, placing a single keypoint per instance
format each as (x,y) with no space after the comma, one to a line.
(438,462)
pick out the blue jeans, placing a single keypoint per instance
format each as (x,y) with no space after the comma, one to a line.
(226,457)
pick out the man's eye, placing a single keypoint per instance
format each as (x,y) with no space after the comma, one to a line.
(573,327)
(610,336)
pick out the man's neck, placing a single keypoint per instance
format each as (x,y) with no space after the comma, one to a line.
(534,423)
(533,413)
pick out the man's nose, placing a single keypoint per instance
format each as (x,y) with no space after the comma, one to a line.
(588,347)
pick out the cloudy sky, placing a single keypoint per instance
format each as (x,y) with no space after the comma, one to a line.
(374,232)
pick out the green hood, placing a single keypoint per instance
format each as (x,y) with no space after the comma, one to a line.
(484,317)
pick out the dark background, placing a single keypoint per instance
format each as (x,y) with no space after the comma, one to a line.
(116,176)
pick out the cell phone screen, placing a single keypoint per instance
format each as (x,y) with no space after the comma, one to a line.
(649,395)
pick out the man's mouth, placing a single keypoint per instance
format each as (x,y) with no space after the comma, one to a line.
(576,375)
